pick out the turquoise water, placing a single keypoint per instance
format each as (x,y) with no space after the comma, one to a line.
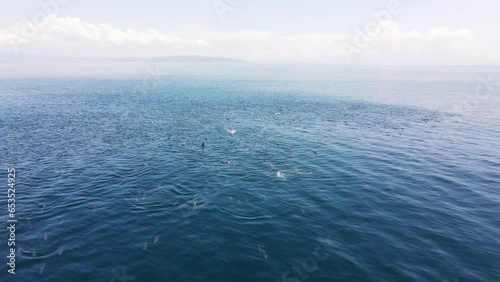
(363,175)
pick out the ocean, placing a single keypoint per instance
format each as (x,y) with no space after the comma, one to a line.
(254,173)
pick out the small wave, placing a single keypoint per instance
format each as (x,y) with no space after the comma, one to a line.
(247,205)
(43,250)
(287,174)
(163,197)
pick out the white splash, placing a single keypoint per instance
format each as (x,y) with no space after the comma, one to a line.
(281,175)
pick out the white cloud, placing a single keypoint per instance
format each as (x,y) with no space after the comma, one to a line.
(70,36)
(443,31)
(392,28)
(436,45)
(211,34)
(390,45)
(317,37)
(387,45)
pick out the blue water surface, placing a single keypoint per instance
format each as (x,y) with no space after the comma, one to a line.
(386,175)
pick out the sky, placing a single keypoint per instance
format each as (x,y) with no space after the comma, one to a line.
(387,32)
